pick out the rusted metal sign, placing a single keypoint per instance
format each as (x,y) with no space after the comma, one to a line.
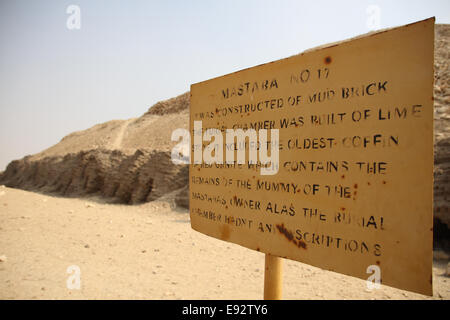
(349,185)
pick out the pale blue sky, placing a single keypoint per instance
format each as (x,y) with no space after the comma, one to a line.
(130,54)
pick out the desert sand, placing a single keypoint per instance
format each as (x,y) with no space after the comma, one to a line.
(146,251)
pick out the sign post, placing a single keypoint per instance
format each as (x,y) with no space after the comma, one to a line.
(325,158)
(273,278)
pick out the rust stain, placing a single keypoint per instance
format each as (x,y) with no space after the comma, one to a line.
(258,249)
(384,182)
(282,229)
(378,262)
(355,186)
(342,208)
(290,236)
(368,183)
(225,232)
(328,60)
(343,176)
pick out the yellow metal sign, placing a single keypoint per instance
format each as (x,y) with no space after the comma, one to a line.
(351,187)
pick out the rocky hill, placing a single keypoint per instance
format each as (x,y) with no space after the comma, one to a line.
(128,161)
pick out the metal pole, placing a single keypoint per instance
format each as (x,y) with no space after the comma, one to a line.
(273,278)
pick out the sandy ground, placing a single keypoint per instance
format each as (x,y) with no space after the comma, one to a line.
(146,252)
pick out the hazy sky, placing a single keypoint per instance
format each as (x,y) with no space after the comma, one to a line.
(127,55)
